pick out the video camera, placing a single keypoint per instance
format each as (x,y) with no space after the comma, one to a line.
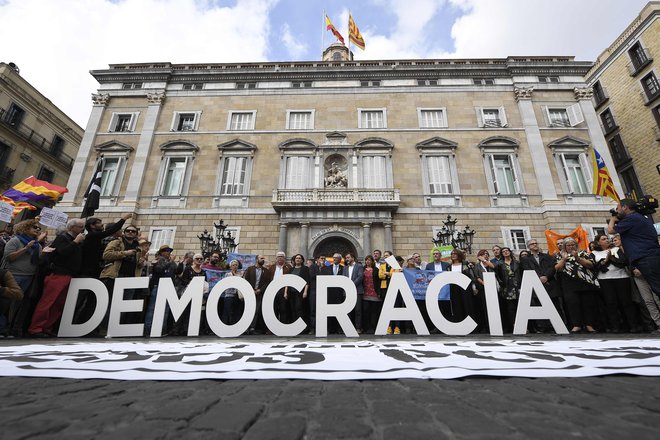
(646,205)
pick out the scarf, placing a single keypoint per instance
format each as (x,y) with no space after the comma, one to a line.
(34,249)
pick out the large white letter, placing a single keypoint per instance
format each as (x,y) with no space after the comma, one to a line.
(339,311)
(215,323)
(121,305)
(492,304)
(410,311)
(67,327)
(466,326)
(268,311)
(532,283)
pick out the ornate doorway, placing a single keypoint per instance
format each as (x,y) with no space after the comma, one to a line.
(332,245)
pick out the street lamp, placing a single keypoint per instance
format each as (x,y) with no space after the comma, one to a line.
(220,242)
(448,235)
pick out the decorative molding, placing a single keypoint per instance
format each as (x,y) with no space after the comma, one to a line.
(100,98)
(523,92)
(583,93)
(155,97)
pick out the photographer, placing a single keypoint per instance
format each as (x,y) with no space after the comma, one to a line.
(639,239)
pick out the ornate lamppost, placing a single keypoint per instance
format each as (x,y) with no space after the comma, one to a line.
(220,242)
(448,235)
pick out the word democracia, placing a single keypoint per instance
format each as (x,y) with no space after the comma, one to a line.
(193,296)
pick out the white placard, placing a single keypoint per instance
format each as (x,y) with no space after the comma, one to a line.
(6,211)
(385,358)
(53,218)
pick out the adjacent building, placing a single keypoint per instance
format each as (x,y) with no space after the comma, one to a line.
(627,99)
(336,155)
(36,137)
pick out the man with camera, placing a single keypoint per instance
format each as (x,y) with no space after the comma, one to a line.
(639,238)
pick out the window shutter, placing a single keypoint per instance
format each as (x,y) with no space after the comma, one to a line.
(587,172)
(133,123)
(493,173)
(575,116)
(503,117)
(517,184)
(113,123)
(480,116)
(546,115)
(567,175)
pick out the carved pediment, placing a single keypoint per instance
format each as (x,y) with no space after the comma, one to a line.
(113,147)
(335,138)
(437,142)
(179,145)
(237,145)
(374,143)
(568,142)
(296,143)
(499,142)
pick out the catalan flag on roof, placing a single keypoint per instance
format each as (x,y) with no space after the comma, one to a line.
(33,189)
(603,184)
(354,33)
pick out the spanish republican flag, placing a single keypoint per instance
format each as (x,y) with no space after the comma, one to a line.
(331,27)
(603,185)
(354,33)
(33,189)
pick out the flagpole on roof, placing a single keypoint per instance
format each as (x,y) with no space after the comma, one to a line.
(323,31)
(348,32)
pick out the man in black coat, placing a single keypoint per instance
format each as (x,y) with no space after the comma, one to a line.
(544,266)
(335,294)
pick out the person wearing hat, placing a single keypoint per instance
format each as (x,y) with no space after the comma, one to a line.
(92,248)
(163,267)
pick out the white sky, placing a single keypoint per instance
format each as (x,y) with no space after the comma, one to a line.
(56,42)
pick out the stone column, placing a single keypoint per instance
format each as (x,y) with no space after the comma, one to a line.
(583,97)
(535,142)
(366,239)
(155,101)
(282,244)
(304,239)
(388,237)
(84,152)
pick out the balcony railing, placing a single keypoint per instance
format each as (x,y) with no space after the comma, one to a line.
(600,96)
(35,139)
(639,61)
(350,197)
(492,123)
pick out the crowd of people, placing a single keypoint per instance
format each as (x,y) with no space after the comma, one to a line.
(611,287)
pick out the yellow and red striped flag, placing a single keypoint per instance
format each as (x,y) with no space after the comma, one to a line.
(18,206)
(603,184)
(331,27)
(354,33)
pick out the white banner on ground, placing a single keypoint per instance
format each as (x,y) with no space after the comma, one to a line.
(53,218)
(319,360)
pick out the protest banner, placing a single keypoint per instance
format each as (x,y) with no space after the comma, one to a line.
(419,281)
(53,218)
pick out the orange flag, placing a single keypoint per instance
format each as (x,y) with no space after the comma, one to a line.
(578,234)
(354,33)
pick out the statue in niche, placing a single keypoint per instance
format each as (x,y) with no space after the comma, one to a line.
(336,177)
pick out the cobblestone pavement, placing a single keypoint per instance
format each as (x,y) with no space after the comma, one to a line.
(611,407)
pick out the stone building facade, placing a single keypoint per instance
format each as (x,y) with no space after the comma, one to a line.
(36,138)
(315,157)
(626,85)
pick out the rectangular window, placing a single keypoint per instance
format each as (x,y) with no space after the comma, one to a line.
(185,121)
(109,176)
(123,123)
(374,172)
(46,174)
(549,79)
(372,119)
(175,174)
(246,85)
(504,174)
(656,115)
(241,121)
(297,172)
(483,81)
(630,183)
(233,176)
(301,84)
(161,236)
(608,121)
(651,86)
(574,172)
(432,118)
(618,150)
(558,117)
(193,86)
(600,94)
(14,115)
(517,239)
(131,85)
(300,120)
(639,58)
(427,82)
(372,83)
(56,146)
(439,170)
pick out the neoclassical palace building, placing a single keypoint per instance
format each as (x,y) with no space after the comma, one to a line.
(339,154)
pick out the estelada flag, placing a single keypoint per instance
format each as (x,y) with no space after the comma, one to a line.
(354,33)
(603,185)
(578,234)
(331,27)
(33,190)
